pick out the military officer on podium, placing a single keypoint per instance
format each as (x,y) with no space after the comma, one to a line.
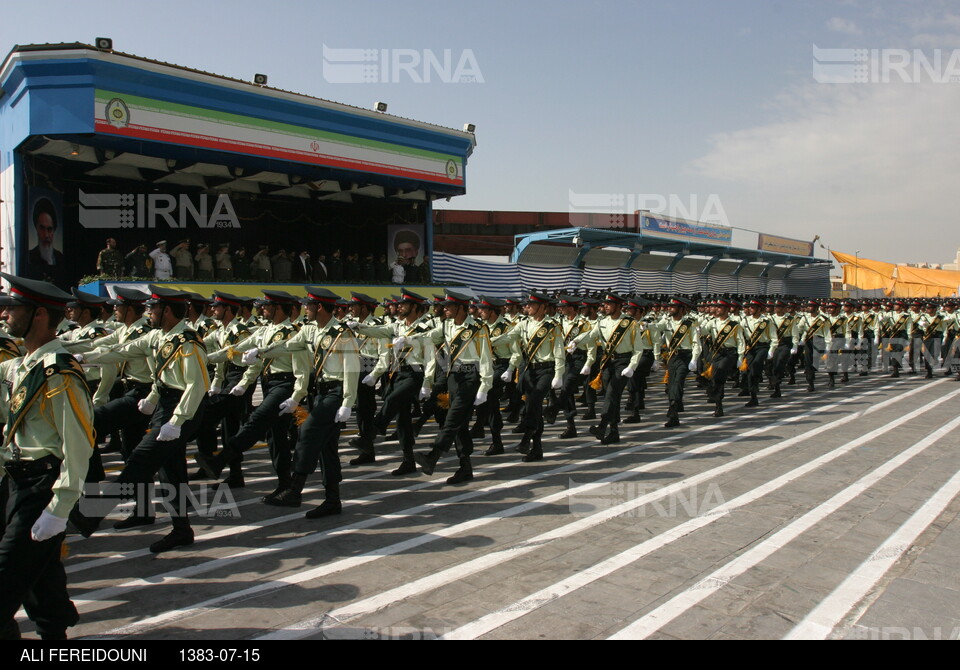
(45,452)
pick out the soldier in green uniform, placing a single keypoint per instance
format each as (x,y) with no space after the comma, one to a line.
(175,405)
(45,452)
(681,339)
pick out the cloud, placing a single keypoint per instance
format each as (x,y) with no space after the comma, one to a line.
(869,167)
(846,26)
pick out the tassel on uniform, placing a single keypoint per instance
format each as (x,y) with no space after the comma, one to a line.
(708,373)
(744,366)
(300,415)
(443,400)
(597,383)
(64,551)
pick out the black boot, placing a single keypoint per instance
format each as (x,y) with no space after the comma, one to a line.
(427,461)
(571,430)
(365,458)
(776,392)
(496,446)
(831,380)
(330,506)
(406,468)
(213,465)
(633,418)
(536,450)
(524,446)
(590,414)
(612,437)
(477,431)
(180,536)
(464,473)
(754,401)
(718,412)
(292,496)
(283,483)
(550,415)
(134,521)
(599,430)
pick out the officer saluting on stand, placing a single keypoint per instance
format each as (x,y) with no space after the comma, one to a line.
(45,452)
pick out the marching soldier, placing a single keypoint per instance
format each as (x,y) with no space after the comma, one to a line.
(135,377)
(616,334)
(682,338)
(572,326)
(812,325)
(404,369)
(648,343)
(930,328)
(727,346)
(488,414)
(895,335)
(284,384)
(951,327)
(787,334)
(373,355)
(175,406)
(469,379)
(224,408)
(336,371)
(760,334)
(538,355)
(45,452)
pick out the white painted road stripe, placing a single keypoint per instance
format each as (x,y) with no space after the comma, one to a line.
(91,600)
(828,614)
(607,567)
(459,571)
(682,602)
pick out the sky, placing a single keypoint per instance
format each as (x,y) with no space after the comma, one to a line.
(718,111)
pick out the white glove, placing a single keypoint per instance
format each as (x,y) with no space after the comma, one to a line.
(343,415)
(250,357)
(424,393)
(146,407)
(398,342)
(848,343)
(793,352)
(79,357)
(585,370)
(287,406)
(627,372)
(168,432)
(771,354)
(480,399)
(353,325)
(557,383)
(876,342)
(214,390)
(571,347)
(507,376)
(370,380)
(692,367)
(657,366)
(47,526)
(238,390)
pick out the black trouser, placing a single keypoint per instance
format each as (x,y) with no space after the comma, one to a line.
(31,573)
(402,391)
(613,384)
(723,365)
(124,414)
(781,359)
(488,414)
(462,386)
(756,359)
(572,380)
(164,460)
(223,410)
(809,362)
(929,349)
(637,386)
(535,381)
(319,436)
(366,411)
(266,421)
(894,347)
(866,349)
(678,367)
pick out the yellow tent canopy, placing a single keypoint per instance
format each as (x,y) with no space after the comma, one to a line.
(897,281)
